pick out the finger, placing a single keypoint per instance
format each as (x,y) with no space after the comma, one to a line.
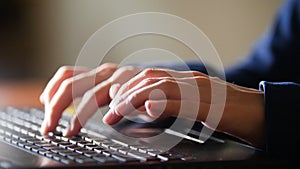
(91,101)
(161,90)
(152,73)
(142,84)
(72,88)
(189,109)
(111,118)
(203,82)
(63,73)
(113,90)
(121,76)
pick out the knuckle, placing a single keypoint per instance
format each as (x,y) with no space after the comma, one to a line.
(149,71)
(122,71)
(67,84)
(196,73)
(201,78)
(109,65)
(165,81)
(148,81)
(65,69)
(106,67)
(132,97)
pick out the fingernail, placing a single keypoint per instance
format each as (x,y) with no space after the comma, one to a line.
(148,105)
(110,118)
(153,113)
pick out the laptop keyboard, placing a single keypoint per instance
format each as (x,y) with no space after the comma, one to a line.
(20,128)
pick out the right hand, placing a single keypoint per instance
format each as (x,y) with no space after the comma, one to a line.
(70,82)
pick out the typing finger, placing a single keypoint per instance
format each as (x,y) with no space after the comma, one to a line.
(69,90)
(189,109)
(91,101)
(63,73)
(151,73)
(164,89)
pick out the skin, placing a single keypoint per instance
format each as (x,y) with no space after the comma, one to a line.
(155,93)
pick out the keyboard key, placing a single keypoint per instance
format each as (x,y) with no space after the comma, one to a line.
(104,159)
(66,153)
(21,128)
(90,154)
(85,160)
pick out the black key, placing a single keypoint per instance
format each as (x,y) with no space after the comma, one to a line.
(115,146)
(100,141)
(14,141)
(98,149)
(75,156)
(153,153)
(64,145)
(41,152)
(34,148)
(73,147)
(137,156)
(50,154)
(57,157)
(65,153)
(90,154)
(22,138)
(56,149)
(8,140)
(40,143)
(37,150)
(65,161)
(28,147)
(23,144)
(103,159)
(91,146)
(74,140)
(169,156)
(32,140)
(83,143)
(106,153)
(124,158)
(84,160)
(55,133)
(71,157)
(64,138)
(136,147)
(81,150)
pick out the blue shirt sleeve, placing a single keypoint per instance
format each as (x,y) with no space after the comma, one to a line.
(281,114)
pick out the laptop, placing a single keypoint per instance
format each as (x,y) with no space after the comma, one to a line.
(129,144)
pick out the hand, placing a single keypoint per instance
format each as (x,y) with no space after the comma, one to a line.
(73,82)
(243,114)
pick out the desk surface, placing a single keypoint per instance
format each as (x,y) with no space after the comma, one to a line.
(21,93)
